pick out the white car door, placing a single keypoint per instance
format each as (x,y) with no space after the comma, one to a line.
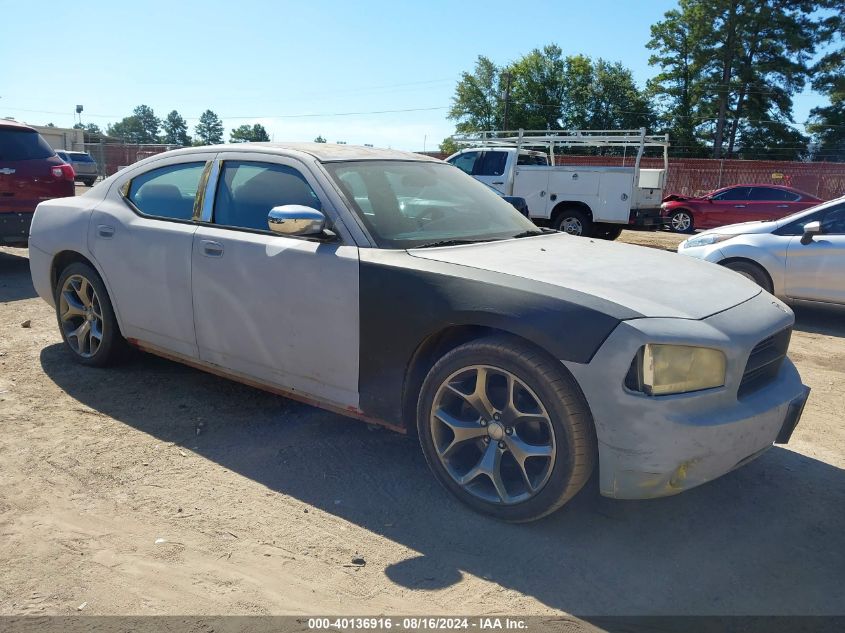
(282,310)
(815,271)
(141,236)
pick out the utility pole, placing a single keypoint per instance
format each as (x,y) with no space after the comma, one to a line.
(507,77)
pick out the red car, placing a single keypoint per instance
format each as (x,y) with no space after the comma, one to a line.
(732,205)
(30,172)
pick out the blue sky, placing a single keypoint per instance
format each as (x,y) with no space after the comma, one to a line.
(272,62)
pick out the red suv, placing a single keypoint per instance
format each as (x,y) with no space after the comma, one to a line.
(30,172)
(732,205)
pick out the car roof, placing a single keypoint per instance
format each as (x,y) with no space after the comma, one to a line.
(16,125)
(768,186)
(323,152)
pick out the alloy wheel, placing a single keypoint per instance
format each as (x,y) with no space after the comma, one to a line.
(492,434)
(681,222)
(81,316)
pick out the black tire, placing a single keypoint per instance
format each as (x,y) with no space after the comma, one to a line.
(570,218)
(680,219)
(607,231)
(112,343)
(752,271)
(569,418)
(90,182)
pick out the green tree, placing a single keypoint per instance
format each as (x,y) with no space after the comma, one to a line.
(141,127)
(477,105)
(448,146)
(88,128)
(827,123)
(128,129)
(246,134)
(676,89)
(175,130)
(550,91)
(319,139)
(731,67)
(209,130)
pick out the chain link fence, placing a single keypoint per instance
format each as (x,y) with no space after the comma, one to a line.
(110,157)
(697,176)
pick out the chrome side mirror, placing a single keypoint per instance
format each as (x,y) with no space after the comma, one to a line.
(296,219)
(811,229)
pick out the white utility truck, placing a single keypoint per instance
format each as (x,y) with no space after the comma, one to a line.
(579,199)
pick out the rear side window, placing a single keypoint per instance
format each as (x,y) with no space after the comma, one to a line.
(247,191)
(23,145)
(167,192)
(492,164)
(532,159)
(770,193)
(466,162)
(81,158)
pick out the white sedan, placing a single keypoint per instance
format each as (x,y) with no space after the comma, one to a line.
(799,258)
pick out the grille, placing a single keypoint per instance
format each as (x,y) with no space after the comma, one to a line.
(764,362)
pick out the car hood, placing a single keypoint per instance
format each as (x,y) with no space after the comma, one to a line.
(647,281)
(744,228)
(674,197)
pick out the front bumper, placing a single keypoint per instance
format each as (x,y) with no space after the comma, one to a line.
(14,227)
(658,446)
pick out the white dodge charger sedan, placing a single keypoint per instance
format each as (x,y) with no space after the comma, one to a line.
(800,258)
(394,288)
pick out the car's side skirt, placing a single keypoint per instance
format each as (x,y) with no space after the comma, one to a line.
(217,370)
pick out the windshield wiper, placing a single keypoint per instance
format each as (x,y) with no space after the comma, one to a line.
(528,234)
(450,243)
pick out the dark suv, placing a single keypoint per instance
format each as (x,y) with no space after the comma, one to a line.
(30,172)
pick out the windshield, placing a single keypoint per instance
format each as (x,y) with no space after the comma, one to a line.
(410,204)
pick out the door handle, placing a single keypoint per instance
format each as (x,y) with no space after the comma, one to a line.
(106,231)
(783,206)
(739,206)
(498,182)
(212,249)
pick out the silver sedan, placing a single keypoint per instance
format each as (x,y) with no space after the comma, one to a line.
(800,258)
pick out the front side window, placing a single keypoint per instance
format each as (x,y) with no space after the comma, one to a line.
(167,192)
(466,161)
(492,164)
(832,221)
(405,204)
(736,193)
(770,194)
(247,191)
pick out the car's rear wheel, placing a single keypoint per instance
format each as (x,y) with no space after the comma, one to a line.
(505,429)
(86,317)
(574,222)
(751,271)
(681,222)
(89,182)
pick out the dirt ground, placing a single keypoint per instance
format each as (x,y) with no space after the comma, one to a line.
(152,488)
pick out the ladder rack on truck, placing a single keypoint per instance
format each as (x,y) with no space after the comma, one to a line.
(516,162)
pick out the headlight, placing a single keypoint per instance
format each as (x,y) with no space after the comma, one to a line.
(706,240)
(658,370)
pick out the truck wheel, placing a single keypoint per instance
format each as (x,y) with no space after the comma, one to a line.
(681,222)
(89,182)
(505,429)
(86,318)
(574,222)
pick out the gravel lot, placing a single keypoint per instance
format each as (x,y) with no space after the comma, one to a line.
(152,488)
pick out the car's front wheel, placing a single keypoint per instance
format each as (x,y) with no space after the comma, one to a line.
(86,317)
(505,429)
(681,222)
